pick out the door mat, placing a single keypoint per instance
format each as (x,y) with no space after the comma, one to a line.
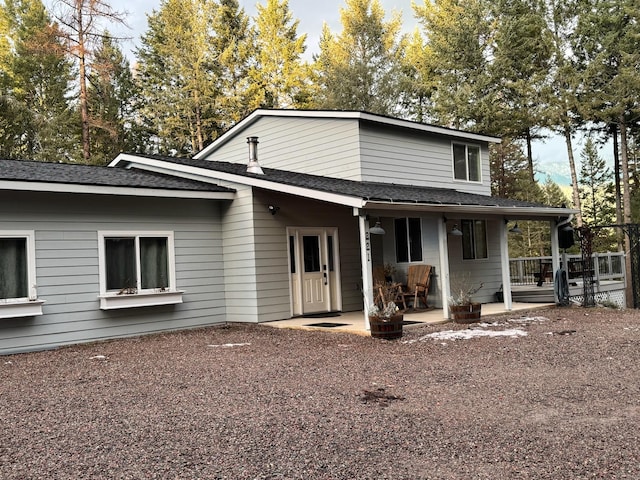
(326,324)
(410,322)
(321,315)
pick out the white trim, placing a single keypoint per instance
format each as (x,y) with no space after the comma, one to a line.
(513,213)
(466,155)
(21,308)
(29,186)
(349,115)
(185,171)
(145,297)
(30,238)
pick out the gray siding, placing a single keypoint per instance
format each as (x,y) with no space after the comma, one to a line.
(66,240)
(316,146)
(487,271)
(410,158)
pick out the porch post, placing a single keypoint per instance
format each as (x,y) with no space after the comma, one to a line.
(555,248)
(504,261)
(445,285)
(365,256)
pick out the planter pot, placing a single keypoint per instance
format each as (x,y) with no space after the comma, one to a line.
(388,329)
(465,313)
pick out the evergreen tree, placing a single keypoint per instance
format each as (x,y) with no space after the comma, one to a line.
(520,69)
(111,103)
(596,187)
(279,73)
(80,20)
(234,48)
(177,76)
(360,68)
(37,121)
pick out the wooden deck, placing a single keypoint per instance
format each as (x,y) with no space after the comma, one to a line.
(544,293)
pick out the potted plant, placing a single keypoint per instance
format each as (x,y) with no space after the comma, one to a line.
(462,308)
(385,318)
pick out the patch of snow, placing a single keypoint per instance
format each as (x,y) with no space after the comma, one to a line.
(98,357)
(230,345)
(470,333)
(528,319)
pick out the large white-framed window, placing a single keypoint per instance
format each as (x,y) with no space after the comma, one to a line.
(408,237)
(466,162)
(474,239)
(137,269)
(18,296)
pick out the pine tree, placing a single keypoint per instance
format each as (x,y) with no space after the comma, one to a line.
(596,187)
(360,68)
(37,120)
(111,96)
(457,54)
(177,76)
(279,73)
(80,20)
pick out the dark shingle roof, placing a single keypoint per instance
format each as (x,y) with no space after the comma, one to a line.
(371,191)
(76,174)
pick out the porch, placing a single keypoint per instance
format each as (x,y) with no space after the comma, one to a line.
(352,322)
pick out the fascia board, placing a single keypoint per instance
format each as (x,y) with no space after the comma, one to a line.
(514,213)
(204,174)
(109,190)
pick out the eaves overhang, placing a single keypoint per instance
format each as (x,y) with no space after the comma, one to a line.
(54,187)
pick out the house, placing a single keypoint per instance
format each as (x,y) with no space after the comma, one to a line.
(271,220)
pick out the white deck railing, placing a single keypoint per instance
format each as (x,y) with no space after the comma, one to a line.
(533,270)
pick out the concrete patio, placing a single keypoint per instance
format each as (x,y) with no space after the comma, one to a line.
(353,322)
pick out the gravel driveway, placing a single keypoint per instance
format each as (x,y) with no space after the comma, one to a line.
(556,396)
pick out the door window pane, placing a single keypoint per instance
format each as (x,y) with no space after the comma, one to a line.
(292,253)
(311,253)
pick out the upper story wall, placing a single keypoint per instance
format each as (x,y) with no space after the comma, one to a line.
(317,146)
(414,158)
(354,149)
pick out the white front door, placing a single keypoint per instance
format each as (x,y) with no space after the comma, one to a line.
(315,279)
(314,273)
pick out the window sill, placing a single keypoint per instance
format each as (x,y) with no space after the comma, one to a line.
(150,299)
(21,308)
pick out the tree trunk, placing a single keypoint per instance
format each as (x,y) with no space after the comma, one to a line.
(574,177)
(626,205)
(530,156)
(616,169)
(84,109)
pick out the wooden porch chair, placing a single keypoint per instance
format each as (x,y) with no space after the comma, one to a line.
(417,287)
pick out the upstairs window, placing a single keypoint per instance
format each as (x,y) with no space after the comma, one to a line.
(466,162)
(474,239)
(408,235)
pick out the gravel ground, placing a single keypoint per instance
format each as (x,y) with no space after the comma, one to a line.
(254,402)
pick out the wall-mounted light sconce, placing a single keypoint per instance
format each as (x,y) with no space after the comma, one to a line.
(377,229)
(515,230)
(273,209)
(455,231)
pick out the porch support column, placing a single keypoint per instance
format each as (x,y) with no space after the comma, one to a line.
(365,256)
(445,285)
(555,248)
(504,261)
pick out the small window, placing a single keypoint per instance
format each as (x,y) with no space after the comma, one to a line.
(17,266)
(466,162)
(408,237)
(474,239)
(137,263)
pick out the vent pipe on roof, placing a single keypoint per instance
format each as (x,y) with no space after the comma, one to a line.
(253,166)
